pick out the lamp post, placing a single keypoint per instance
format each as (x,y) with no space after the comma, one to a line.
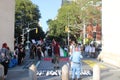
(27,47)
(23,38)
(68,31)
(84,24)
(28,35)
(68,28)
(84,32)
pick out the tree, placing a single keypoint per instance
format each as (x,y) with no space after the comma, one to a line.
(66,17)
(75,15)
(90,11)
(26,13)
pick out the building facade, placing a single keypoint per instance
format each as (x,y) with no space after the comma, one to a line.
(94,32)
(7,18)
(110,32)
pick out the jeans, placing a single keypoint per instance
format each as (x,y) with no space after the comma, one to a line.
(76,69)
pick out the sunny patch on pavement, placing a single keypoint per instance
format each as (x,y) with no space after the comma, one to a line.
(92,63)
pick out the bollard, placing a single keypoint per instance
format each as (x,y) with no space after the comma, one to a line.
(96,72)
(32,72)
(1,72)
(65,72)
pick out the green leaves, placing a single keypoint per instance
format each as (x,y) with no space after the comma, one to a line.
(75,15)
(27,13)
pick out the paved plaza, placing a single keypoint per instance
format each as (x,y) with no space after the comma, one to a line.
(108,72)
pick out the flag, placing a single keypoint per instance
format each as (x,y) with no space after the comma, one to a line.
(63,53)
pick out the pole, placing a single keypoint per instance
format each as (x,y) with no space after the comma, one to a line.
(28,37)
(68,38)
(84,32)
(23,36)
(68,30)
(28,33)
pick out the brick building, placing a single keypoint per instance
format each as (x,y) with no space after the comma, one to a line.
(93,32)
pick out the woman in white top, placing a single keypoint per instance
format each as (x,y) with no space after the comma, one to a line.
(72,47)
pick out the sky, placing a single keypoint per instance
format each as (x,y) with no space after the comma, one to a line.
(48,10)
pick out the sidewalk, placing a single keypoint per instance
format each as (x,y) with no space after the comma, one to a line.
(108,72)
(21,72)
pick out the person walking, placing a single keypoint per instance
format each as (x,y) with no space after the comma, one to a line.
(75,59)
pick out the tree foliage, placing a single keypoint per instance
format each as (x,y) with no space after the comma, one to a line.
(75,15)
(27,14)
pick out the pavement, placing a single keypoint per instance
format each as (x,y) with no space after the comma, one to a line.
(107,71)
(20,72)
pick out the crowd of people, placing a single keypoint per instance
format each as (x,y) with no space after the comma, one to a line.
(75,52)
(46,50)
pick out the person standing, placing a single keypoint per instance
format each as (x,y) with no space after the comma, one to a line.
(4,58)
(75,59)
(93,54)
(21,55)
(39,51)
(56,51)
(4,61)
(5,50)
(87,50)
(72,47)
(33,51)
